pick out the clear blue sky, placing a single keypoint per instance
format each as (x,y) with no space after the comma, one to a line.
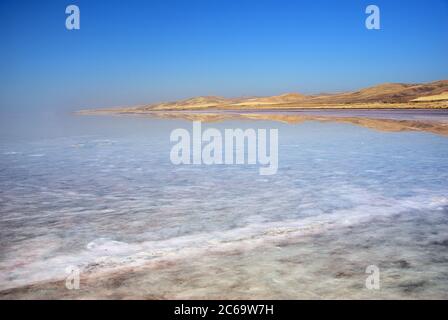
(131,52)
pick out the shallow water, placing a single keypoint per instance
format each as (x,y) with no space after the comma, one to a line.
(100,193)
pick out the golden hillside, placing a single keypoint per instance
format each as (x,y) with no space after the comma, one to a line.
(438,97)
(388,95)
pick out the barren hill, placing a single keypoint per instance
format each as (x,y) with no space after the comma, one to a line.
(387,95)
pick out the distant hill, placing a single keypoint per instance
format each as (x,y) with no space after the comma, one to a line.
(192,103)
(387,95)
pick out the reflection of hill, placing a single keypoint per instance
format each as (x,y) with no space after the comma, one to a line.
(389,125)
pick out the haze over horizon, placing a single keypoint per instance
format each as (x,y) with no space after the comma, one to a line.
(145,52)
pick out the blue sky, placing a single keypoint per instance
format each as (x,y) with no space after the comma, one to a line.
(131,52)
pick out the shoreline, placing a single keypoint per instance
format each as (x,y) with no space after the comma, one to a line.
(392,108)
